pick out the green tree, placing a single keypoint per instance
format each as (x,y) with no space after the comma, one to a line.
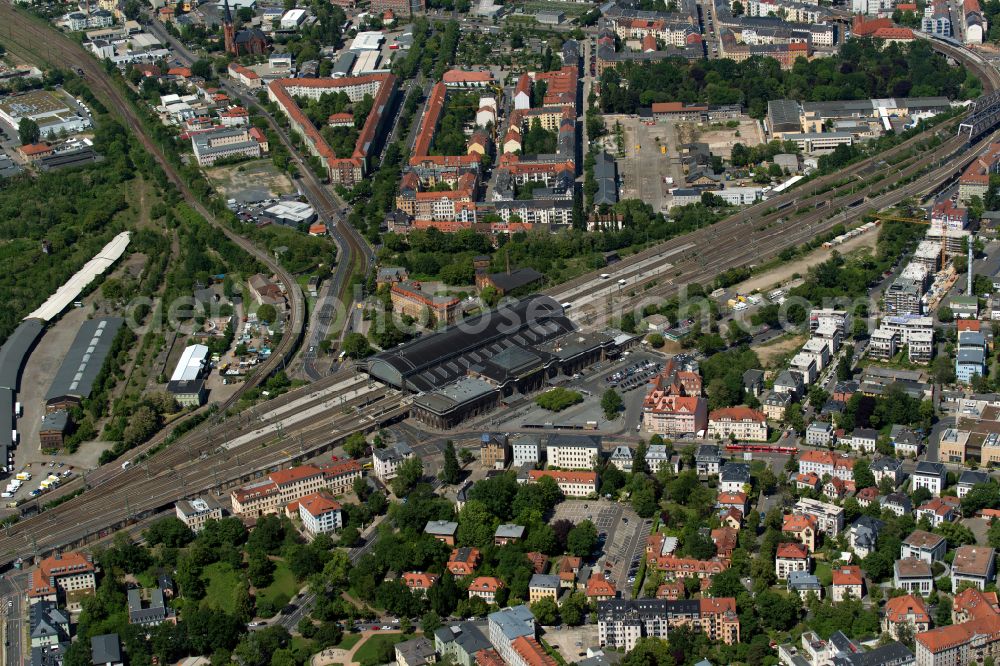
(267,312)
(355,445)
(863,477)
(28,131)
(450,472)
(582,539)
(356,346)
(546,612)
(611,403)
(409,474)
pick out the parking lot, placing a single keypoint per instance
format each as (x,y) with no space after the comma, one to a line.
(623,535)
(592,383)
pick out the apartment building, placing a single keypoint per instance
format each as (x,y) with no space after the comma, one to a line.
(803,528)
(837,465)
(674,415)
(848,582)
(791,557)
(913,576)
(278,489)
(70,574)
(506,626)
(740,423)
(319,513)
(386,462)
(572,484)
(829,517)
(973,564)
(196,512)
(924,546)
(573,451)
(226,143)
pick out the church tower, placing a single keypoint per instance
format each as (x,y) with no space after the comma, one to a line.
(229,30)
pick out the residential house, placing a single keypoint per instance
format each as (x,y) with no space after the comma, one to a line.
(898,503)
(774,404)
(569,569)
(319,513)
(887,467)
(969,479)
(829,517)
(463,561)
(486,588)
(539,561)
(599,589)
(973,564)
(47,624)
(508,625)
(105,650)
(866,496)
(827,463)
(572,484)
(738,501)
(808,481)
(819,433)
(494,450)
(526,450)
(573,451)
(924,546)
(929,475)
(415,652)
(753,382)
(507,533)
(803,584)
(939,510)
(442,530)
(707,460)
(420,582)
(543,586)
(463,642)
(803,527)
(907,610)
(790,382)
(196,512)
(656,457)
(863,535)
(863,439)
(904,441)
(790,557)
(913,576)
(621,458)
(726,539)
(69,574)
(734,477)
(848,582)
(387,461)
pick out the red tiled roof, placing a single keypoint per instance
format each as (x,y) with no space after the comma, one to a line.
(485,584)
(848,574)
(462,76)
(898,609)
(419,580)
(317,504)
(531,652)
(66,564)
(597,586)
(796,522)
(792,551)
(564,476)
(739,413)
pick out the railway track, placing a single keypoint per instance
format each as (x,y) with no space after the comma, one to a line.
(29,32)
(139,491)
(879,167)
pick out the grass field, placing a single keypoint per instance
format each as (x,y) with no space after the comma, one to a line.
(348,641)
(220,579)
(369,650)
(281,590)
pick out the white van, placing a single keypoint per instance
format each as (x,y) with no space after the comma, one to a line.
(126,464)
